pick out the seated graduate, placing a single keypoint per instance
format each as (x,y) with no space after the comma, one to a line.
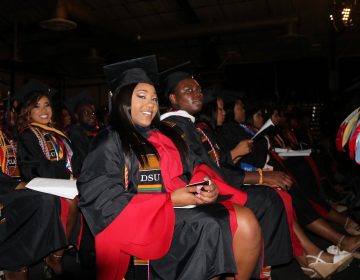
(22,241)
(186,101)
(85,125)
(133,182)
(44,151)
(81,133)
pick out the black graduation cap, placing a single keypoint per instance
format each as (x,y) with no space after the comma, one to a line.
(231,95)
(171,77)
(138,70)
(75,101)
(211,93)
(31,89)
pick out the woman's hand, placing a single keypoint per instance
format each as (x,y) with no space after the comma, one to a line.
(195,195)
(208,194)
(21,186)
(241,149)
(277,179)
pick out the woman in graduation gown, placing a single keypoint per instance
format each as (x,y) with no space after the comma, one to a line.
(30,227)
(44,151)
(133,178)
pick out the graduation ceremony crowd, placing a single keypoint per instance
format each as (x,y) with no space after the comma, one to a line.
(137,214)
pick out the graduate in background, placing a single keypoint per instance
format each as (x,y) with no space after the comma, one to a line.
(22,241)
(85,126)
(44,151)
(81,133)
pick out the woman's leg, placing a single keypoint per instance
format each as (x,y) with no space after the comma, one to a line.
(54,260)
(345,221)
(309,247)
(54,263)
(72,217)
(247,242)
(323,229)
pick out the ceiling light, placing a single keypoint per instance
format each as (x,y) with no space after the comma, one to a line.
(341,16)
(59,22)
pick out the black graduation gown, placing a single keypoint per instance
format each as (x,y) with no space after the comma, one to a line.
(80,141)
(146,225)
(33,163)
(32,228)
(266,205)
(264,202)
(7,183)
(232,133)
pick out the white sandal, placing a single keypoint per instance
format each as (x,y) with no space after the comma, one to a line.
(325,269)
(309,272)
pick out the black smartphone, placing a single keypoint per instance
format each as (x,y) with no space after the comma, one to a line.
(201,183)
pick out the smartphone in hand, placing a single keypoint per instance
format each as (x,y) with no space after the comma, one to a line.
(201,183)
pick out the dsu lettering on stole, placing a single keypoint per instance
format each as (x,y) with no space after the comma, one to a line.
(12,162)
(149,178)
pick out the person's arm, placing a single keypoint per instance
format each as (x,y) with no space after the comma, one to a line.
(275,179)
(243,148)
(7,183)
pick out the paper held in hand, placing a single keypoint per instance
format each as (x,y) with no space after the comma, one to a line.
(266,125)
(292,153)
(60,187)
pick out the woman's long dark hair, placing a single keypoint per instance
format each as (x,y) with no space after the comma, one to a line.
(131,139)
(229,106)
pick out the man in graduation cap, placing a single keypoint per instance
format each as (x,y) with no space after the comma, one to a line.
(186,101)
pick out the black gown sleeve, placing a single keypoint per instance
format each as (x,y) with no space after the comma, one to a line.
(33,163)
(199,155)
(101,187)
(231,134)
(7,183)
